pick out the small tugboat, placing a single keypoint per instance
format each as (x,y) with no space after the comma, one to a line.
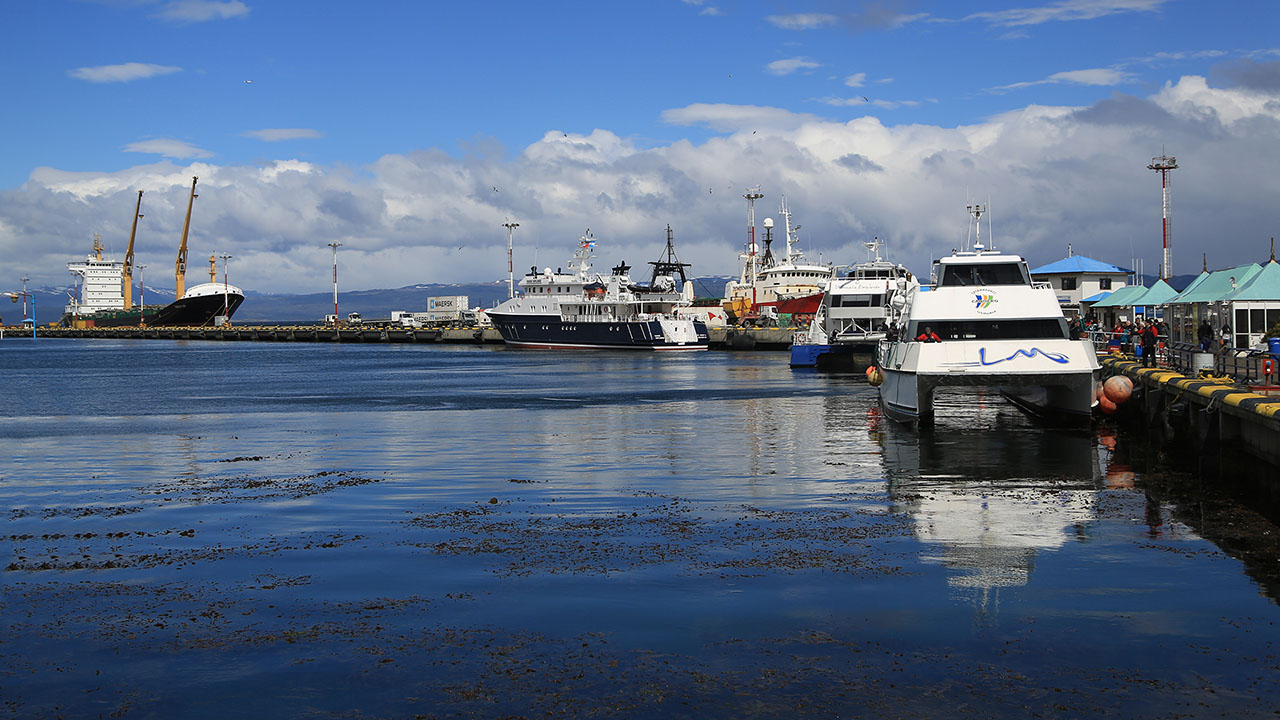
(984,323)
(853,316)
(584,310)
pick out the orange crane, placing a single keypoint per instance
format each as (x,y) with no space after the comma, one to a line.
(128,256)
(180,267)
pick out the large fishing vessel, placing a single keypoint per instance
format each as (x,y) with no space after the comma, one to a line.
(104,290)
(984,323)
(767,285)
(581,309)
(853,315)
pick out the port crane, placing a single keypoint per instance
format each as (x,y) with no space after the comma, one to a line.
(180,267)
(128,256)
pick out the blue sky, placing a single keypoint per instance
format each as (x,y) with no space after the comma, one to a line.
(410,130)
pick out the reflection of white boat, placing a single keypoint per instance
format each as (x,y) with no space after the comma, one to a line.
(853,316)
(995,328)
(987,501)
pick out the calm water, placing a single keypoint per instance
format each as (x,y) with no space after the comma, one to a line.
(255,530)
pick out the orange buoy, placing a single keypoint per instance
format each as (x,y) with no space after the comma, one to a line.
(874,376)
(1105,405)
(1117,389)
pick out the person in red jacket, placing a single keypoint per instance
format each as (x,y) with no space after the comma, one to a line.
(928,335)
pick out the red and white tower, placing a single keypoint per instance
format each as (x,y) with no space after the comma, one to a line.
(1163,165)
(752,195)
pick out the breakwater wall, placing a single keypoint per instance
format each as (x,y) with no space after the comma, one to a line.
(724,338)
(1201,413)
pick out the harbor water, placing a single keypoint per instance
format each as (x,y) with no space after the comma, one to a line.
(213,530)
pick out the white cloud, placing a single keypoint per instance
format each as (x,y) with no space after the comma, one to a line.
(790,65)
(189,11)
(178,149)
(403,217)
(1065,11)
(124,72)
(1098,77)
(803,21)
(856,80)
(279,134)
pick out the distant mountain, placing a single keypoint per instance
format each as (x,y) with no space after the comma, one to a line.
(261,307)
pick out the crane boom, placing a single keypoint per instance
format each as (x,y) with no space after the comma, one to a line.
(128,256)
(180,267)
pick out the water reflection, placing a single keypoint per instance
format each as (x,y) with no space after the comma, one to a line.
(992,494)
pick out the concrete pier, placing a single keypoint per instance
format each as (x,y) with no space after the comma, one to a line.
(724,338)
(1205,413)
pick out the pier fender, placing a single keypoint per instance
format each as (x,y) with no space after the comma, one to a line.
(1207,427)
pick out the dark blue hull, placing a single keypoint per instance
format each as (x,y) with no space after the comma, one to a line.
(542,331)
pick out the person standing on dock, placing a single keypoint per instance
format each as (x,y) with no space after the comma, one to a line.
(1149,332)
(1205,335)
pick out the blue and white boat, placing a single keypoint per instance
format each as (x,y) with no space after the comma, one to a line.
(995,328)
(852,317)
(584,310)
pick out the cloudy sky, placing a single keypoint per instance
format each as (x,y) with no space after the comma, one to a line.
(409,131)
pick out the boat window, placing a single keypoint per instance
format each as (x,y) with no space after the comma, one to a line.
(1032,329)
(857,300)
(984,274)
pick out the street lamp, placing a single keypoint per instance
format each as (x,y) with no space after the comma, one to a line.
(142,298)
(511,288)
(24,295)
(25,317)
(335,245)
(226,292)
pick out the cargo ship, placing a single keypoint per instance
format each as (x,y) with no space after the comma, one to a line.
(104,290)
(584,310)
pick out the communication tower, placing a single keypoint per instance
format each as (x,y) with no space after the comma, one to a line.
(1163,165)
(752,195)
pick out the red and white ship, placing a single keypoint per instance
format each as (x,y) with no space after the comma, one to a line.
(768,286)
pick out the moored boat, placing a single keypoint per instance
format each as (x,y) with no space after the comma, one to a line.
(584,310)
(984,323)
(853,315)
(768,286)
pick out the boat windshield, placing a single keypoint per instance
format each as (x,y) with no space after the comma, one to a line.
(1027,329)
(984,274)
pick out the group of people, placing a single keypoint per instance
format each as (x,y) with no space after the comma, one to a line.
(1205,336)
(1142,337)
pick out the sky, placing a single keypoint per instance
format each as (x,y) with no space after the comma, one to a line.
(411,131)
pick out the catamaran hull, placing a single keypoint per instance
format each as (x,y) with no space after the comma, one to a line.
(1060,398)
(541,331)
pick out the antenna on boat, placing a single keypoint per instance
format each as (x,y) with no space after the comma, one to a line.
(976,211)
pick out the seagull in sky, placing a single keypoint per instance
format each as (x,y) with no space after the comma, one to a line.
(249,81)
(495,189)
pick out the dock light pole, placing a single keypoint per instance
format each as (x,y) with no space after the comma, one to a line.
(25,317)
(142,297)
(226,292)
(511,277)
(335,245)
(24,295)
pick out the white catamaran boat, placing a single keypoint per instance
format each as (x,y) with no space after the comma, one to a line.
(985,323)
(581,309)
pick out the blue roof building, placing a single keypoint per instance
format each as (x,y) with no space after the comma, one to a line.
(1078,281)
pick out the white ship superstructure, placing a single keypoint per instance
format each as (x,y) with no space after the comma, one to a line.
(99,283)
(790,284)
(984,323)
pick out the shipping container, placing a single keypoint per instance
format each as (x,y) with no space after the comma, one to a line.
(447,308)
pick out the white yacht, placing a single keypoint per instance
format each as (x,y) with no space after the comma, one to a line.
(853,315)
(985,323)
(581,309)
